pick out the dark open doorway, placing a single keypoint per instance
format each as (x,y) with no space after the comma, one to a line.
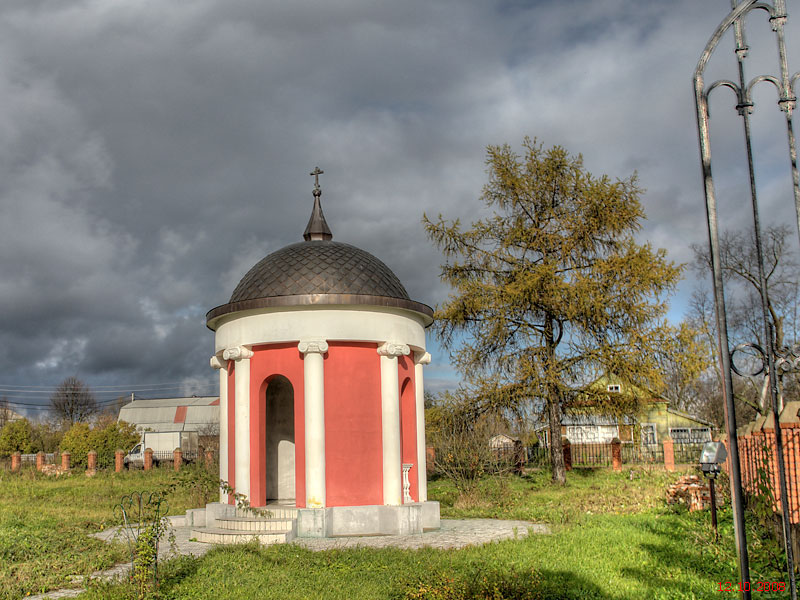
(280,439)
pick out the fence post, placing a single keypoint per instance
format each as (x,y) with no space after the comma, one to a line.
(39,460)
(760,459)
(772,460)
(16,462)
(148,459)
(209,458)
(65,456)
(567,449)
(177,458)
(669,453)
(616,454)
(91,462)
(519,457)
(119,460)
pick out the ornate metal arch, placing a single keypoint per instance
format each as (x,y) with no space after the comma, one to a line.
(784,83)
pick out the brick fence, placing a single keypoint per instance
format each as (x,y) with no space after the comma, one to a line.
(48,462)
(758,458)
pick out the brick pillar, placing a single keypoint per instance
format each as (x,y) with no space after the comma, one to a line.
(148,459)
(745,458)
(209,456)
(65,456)
(759,453)
(39,461)
(177,458)
(16,462)
(430,459)
(792,457)
(91,461)
(726,466)
(119,460)
(669,454)
(616,454)
(567,449)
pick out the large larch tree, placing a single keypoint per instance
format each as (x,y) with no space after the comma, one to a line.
(552,290)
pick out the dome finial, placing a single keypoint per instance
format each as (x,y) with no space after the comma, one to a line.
(317,228)
(315,174)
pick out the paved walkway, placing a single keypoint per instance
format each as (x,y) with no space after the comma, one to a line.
(452,534)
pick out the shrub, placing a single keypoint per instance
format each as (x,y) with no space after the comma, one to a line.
(462,442)
(106,440)
(46,437)
(484,583)
(15,437)
(103,439)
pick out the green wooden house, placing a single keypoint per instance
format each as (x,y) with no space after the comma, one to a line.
(649,427)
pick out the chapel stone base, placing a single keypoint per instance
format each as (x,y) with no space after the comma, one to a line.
(340,521)
(224,523)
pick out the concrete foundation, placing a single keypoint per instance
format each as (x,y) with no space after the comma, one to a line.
(340,521)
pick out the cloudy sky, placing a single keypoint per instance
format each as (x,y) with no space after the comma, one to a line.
(151,152)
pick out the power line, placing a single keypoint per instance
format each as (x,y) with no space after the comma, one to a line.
(133,387)
(122,392)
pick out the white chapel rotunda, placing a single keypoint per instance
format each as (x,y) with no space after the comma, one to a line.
(320,353)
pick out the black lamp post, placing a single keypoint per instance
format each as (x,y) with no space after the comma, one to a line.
(712,455)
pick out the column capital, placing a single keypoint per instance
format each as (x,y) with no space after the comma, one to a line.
(237,353)
(393,349)
(422,358)
(316,345)
(217,362)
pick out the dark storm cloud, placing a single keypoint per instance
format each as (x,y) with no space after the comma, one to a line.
(150,153)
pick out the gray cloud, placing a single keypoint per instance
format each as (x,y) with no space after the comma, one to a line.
(149,157)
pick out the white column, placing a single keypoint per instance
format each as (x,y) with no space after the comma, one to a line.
(221,365)
(390,422)
(241,380)
(314,403)
(422,358)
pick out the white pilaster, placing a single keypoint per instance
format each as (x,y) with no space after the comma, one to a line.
(422,358)
(221,365)
(314,403)
(241,375)
(390,422)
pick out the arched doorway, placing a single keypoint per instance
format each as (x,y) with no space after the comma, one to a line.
(408,439)
(279,439)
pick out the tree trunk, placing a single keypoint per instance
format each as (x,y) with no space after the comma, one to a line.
(554,406)
(556,450)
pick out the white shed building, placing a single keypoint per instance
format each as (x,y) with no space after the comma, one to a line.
(173,414)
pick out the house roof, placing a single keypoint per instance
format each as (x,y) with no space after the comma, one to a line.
(171,414)
(10,414)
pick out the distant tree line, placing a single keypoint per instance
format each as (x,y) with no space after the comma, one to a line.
(74,424)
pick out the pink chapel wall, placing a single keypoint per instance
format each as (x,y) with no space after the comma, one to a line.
(408,420)
(268,361)
(353,438)
(353,441)
(231,427)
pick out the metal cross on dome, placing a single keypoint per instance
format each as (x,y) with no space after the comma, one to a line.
(316,173)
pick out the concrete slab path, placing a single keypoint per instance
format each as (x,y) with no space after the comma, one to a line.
(454,533)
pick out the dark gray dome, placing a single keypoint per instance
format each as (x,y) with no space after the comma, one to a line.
(319,267)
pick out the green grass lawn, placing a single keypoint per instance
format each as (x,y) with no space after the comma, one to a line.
(45,522)
(613,539)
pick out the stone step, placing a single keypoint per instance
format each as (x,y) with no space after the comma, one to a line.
(255,524)
(273,511)
(215,535)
